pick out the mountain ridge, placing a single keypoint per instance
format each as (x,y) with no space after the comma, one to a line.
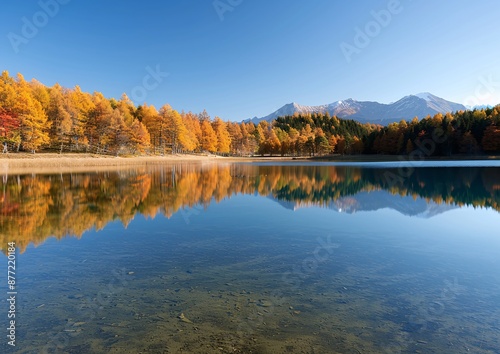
(419,105)
(364,201)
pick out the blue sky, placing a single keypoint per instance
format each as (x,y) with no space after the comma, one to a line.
(253,56)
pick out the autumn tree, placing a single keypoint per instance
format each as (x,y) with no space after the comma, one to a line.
(332,142)
(271,144)
(117,135)
(468,144)
(99,121)
(40,93)
(223,137)
(208,136)
(193,128)
(9,123)
(82,106)
(173,130)
(491,139)
(150,118)
(127,109)
(234,130)
(60,118)
(139,137)
(34,116)
(285,141)
(9,119)
(357,145)
(33,120)
(250,144)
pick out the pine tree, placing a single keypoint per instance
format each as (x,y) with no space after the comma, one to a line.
(409,147)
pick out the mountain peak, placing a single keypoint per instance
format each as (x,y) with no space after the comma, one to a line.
(425,95)
(419,105)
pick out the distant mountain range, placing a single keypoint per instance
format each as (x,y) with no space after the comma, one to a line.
(482,106)
(408,107)
(376,200)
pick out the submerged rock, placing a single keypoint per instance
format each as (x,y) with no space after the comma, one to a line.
(183,318)
(264,303)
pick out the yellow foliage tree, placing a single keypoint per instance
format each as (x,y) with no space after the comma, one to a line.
(175,132)
(150,119)
(140,138)
(193,130)
(209,137)
(223,137)
(34,124)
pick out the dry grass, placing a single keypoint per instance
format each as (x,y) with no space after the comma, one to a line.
(56,163)
(24,163)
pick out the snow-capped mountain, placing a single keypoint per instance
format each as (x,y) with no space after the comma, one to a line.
(373,201)
(482,106)
(408,107)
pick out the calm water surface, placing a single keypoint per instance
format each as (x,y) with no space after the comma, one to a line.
(256,258)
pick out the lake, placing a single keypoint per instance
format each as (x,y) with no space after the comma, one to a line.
(256,258)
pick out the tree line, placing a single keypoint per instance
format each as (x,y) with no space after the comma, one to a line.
(34,117)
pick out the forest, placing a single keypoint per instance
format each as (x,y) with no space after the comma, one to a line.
(34,117)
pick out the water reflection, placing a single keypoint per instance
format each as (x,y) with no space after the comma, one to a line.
(34,207)
(248,275)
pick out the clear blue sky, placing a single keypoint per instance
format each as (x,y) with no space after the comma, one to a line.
(262,54)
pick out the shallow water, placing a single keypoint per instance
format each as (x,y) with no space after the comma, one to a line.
(256,258)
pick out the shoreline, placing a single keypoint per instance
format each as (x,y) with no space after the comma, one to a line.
(22,163)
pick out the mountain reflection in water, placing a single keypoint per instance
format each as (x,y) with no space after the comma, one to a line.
(35,207)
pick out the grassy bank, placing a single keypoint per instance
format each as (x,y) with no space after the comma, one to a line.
(22,163)
(72,162)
